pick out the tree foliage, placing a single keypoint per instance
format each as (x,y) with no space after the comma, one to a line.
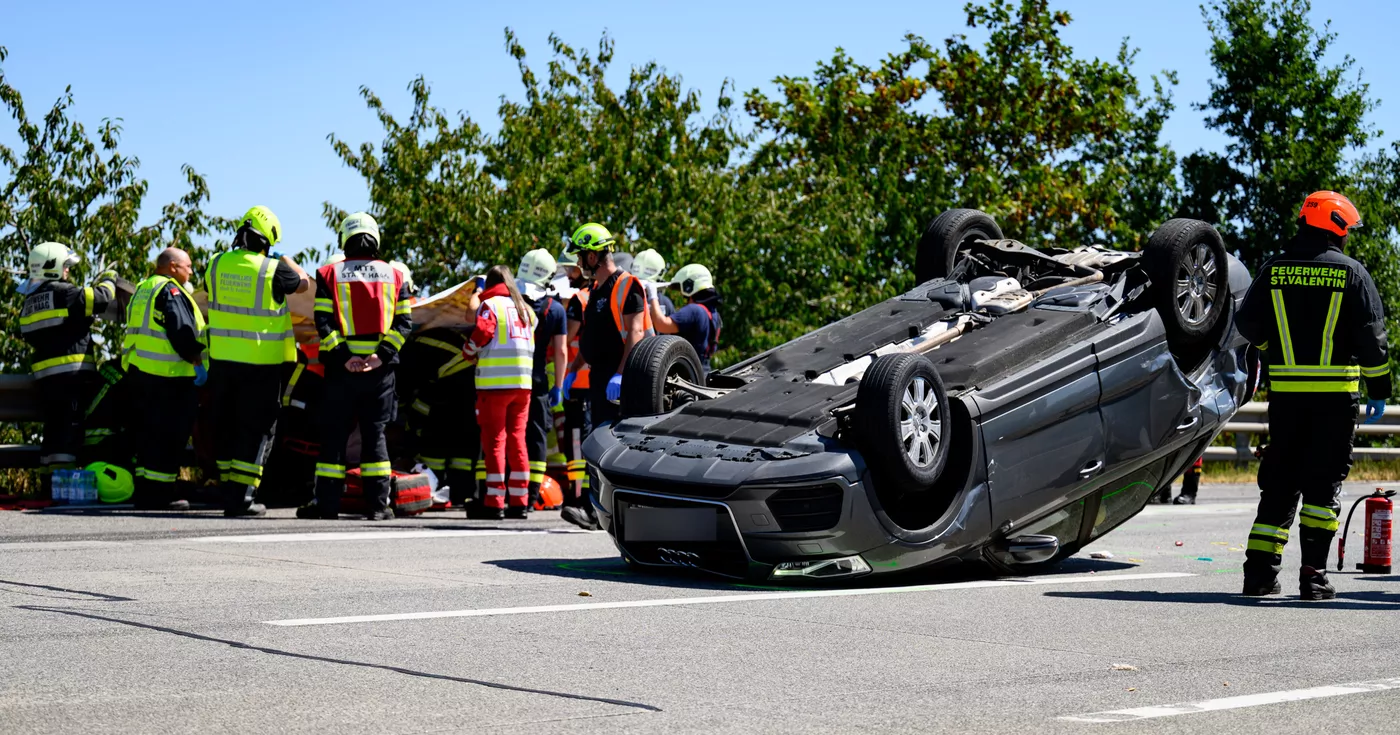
(62,184)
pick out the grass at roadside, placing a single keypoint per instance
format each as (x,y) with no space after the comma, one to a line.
(1362,471)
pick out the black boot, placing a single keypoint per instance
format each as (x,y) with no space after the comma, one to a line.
(581,517)
(1313,585)
(1184,499)
(1261,586)
(313,511)
(476,511)
(255,510)
(387,514)
(518,512)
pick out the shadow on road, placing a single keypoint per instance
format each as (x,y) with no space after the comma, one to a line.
(614,569)
(1370,601)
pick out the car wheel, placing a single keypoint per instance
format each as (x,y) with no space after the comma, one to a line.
(902,421)
(651,362)
(947,235)
(1185,258)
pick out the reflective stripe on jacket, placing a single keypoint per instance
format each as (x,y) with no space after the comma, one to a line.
(147,345)
(508,360)
(246,324)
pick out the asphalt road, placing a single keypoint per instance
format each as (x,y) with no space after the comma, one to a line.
(150,622)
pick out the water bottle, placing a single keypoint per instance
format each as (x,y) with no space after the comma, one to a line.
(89,487)
(60,486)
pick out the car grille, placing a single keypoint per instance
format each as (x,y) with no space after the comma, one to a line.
(724,554)
(814,508)
(670,487)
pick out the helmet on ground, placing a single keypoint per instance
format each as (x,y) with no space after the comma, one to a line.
(114,484)
(402,267)
(537,267)
(693,279)
(648,265)
(551,495)
(359,223)
(1330,211)
(262,220)
(591,236)
(48,260)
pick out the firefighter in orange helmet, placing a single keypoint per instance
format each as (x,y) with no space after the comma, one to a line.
(1317,318)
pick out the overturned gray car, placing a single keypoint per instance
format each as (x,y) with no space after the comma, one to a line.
(1017,404)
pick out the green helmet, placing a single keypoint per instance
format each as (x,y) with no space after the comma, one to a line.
(262,220)
(114,484)
(359,223)
(693,279)
(648,265)
(537,267)
(48,260)
(591,236)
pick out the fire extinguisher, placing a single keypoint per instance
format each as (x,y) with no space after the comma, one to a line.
(1377,546)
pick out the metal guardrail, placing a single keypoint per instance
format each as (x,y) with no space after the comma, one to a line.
(1255,424)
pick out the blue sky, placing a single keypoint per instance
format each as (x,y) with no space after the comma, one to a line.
(247,92)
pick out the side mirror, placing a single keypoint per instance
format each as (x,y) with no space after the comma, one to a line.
(1033,549)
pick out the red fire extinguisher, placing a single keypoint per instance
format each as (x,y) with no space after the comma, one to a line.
(1377,542)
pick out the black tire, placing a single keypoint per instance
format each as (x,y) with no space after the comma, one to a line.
(881,410)
(947,234)
(1185,258)
(648,365)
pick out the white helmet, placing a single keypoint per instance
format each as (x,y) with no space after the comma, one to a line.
(693,279)
(359,223)
(537,267)
(402,267)
(48,261)
(648,265)
(335,258)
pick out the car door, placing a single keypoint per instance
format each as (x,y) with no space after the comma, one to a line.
(1149,407)
(1043,434)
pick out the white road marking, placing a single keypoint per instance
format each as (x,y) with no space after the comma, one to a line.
(744,597)
(1224,509)
(1247,700)
(281,538)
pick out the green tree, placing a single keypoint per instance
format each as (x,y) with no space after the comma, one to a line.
(63,185)
(1296,124)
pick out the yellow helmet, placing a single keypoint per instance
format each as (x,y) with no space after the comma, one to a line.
(648,265)
(591,236)
(114,484)
(262,220)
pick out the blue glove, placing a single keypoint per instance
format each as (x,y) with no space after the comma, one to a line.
(201,376)
(1374,410)
(556,397)
(480,283)
(615,388)
(568,385)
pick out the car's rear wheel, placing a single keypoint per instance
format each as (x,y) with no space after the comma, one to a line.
(1185,258)
(901,421)
(644,378)
(948,235)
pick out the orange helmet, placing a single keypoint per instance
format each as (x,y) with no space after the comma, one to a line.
(1328,210)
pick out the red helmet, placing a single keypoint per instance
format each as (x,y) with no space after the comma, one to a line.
(1328,210)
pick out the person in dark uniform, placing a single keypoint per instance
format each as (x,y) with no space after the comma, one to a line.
(56,320)
(615,320)
(163,353)
(1318,319)
(251,351)
(364,316)
(551,349)
(437,392)
(575,423)
(698,322)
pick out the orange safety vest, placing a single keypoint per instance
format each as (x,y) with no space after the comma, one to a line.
(619,299)
(582,380)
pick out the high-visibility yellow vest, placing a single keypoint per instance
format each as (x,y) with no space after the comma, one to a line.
(147,345)
(245,323)
(508,360)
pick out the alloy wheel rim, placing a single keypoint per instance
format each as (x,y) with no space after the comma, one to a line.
(920,425)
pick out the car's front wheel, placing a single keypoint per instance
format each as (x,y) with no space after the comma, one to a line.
(901,421)
(650,365)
